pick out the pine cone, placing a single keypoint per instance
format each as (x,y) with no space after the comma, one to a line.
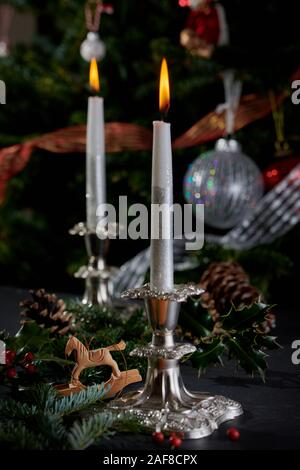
(48,311)
(227,284)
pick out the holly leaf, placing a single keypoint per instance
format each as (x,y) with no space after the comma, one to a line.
(31,337)
(251,360)
(240,319)
(208,354)
(191,324)
(268,342)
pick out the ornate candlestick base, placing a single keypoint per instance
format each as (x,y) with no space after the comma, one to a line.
(164,403)
(97,276)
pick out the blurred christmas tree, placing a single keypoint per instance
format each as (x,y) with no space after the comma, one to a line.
(47,89)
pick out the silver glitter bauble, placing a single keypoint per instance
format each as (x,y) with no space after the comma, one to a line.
(92,47)
(226,181)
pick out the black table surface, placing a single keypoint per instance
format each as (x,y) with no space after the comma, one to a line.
(271,418)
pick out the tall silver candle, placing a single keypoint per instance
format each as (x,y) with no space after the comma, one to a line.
(95,153)
(161,263)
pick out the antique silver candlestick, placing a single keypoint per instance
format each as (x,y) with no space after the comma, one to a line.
(164,403)
(97,276)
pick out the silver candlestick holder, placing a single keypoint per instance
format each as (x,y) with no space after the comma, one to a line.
(97,275)
(164,403)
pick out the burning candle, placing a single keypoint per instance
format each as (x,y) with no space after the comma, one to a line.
(95,152)
(161,263)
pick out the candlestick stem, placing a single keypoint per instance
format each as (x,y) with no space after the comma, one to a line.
(97,275)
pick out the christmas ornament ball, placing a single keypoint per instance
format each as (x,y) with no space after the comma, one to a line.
(205,23)
(226,181)
(92,47)
(279,169)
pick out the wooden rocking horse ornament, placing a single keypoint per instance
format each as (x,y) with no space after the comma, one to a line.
(95,358)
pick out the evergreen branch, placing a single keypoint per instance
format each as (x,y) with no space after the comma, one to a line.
(85,433)
(51,358)
(131,425)
(45,399)
(51,430)
(76,402)
(43,396)
(16,435)
(10,409)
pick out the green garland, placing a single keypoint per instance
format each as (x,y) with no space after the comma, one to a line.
(94,326)
(239,335)
(34,417)
(39,422)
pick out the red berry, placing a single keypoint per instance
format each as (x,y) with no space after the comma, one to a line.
(9,357)
(233,434)
(158,437)
(175,441)
(29,357)
(31,368)
(173,434)
(181,435)
(11,373)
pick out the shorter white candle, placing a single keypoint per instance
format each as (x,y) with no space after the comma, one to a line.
(95,153)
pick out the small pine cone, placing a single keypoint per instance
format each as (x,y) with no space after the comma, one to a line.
(227,284)
(48,311)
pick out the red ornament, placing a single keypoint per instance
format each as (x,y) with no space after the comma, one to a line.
(233,434)
(194,4)
(107,8)
(175,441)
(276,172)
(11,373)
(9,357)
(29,357)
(204,29)
(184,3)
(31,369)
(158,437)
(205,23)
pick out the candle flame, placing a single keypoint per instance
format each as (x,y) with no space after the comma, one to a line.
(94,76)
(164,88)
